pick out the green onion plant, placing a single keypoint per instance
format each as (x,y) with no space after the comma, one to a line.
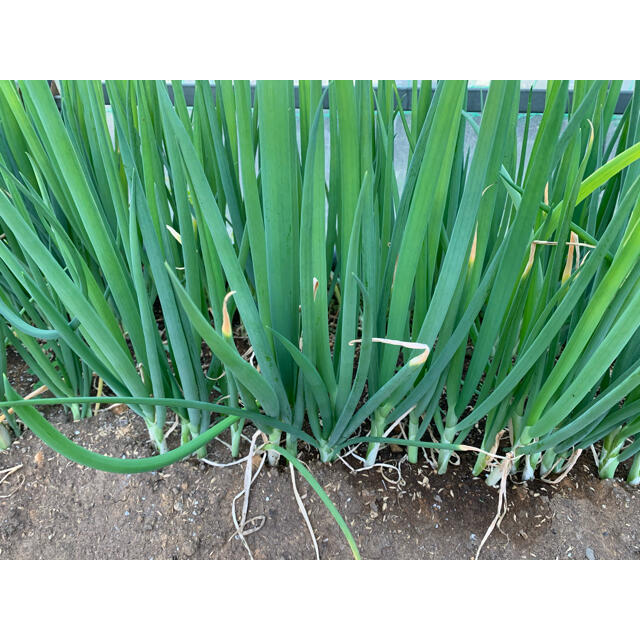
(276,262)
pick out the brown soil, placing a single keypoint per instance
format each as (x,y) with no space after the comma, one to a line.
(53,508)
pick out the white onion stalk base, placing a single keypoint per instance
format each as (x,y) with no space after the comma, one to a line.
(273,457)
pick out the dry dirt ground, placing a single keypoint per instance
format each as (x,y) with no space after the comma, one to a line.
(53,508)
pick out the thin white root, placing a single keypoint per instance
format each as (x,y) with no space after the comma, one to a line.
(454,459)
(391,428)
(492,453)
(248,352)
(351,453)
(466,447)
(384,465)
(213,463)
(248,481)
(380,465)
(565,470)
(260,518)
(346,464)
(505,465)
(7,472)
(303,511)
(173,427)
(398,421)
(248,478)
(111,407)
(428,453)
(8,495)
(359,459)
(430,462)
(226,444)
(397,469)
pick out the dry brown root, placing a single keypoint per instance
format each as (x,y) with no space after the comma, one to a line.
(8,472)
(34,394)
(565,470)
(303,511)
(505,467)
(249,479)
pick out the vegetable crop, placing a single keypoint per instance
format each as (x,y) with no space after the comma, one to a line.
(276,263)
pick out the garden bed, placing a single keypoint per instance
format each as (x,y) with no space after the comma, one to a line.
(58,509)
(470,295)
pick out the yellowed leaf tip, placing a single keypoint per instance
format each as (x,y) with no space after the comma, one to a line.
(487,188)
(532,255)
(569,263)
(420,359)
(592,133)
(395,268)
(575,240)
(174,233)
(472,255)
(226,320)
(414,362)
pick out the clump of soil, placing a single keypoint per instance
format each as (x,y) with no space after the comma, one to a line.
(53,508)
